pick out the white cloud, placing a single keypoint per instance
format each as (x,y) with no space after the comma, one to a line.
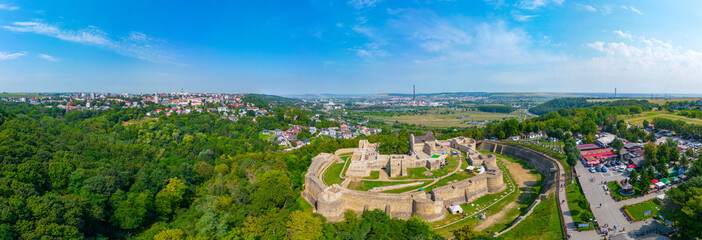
(535,4)
(586,7)
(48,58)
(10,56)
(523,18)
(136,44)
(359,4)
(633,9)
(8,7)
(621,34)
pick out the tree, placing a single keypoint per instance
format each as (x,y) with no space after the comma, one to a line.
(466,233)
(131,209)
(170,197)
(617,144)
(303,225)
(572,152)
(272,190)
(170,234)
(651,137)
(635,109)
(646,123)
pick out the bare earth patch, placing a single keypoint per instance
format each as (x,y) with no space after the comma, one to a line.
(524,180)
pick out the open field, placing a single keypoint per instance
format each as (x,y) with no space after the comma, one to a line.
(368,185)
(507,205)
(659,101)
(439,118)
(21,95)
(543,223)
(331,175)
(418,173)
(637,211)
(639,118)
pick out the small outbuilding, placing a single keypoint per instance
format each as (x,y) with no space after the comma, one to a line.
(455,209)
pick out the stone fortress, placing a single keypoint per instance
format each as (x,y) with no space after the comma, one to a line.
(425,151)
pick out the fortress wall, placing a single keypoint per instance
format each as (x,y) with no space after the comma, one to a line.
(538,161)
(462,191)
(395,205)
(496,182)
(333,201)
(427,209)
(344,151)
(313,184)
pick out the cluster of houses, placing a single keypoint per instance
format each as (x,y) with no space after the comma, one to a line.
(342,132)
(530,135)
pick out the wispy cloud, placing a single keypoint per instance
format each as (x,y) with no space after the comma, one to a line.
(359,4)
(48,58)
(8,7)
(623,34)
(633,9)
(10,56)
(523,18)
(535,4)
(587,7)
(136,44)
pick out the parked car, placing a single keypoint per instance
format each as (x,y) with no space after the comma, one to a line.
(605,187)
(604,169)
(592,170)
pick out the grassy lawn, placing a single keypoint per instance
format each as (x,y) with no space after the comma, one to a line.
(418,173)
(636,211)
(331,176)
(406,189)
(21,95)
(443,182)
(553,154)
(368,185)
(543,223)
(479,206)
(578,204)
(373,175)
(639,118)
(346,166)
(437,117)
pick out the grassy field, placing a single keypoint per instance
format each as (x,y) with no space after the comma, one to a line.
(331,175)
(636,211)
(440,118)
(21,95)
(639,118)
(543,223)
(659,101)
(522,198)
(458,176)
(578,204)
(373,175)
(418,173)
(368,185)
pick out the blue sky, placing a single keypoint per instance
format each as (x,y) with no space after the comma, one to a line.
(351,47)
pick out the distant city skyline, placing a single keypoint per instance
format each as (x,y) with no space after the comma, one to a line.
(351,47)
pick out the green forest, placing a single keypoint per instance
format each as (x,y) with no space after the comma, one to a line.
(86,175)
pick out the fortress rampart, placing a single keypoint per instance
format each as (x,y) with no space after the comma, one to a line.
(535,159)
(333,201)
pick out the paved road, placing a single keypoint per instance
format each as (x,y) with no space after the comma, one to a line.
(610,211)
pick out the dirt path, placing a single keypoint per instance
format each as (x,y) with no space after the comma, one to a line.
(524,180)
